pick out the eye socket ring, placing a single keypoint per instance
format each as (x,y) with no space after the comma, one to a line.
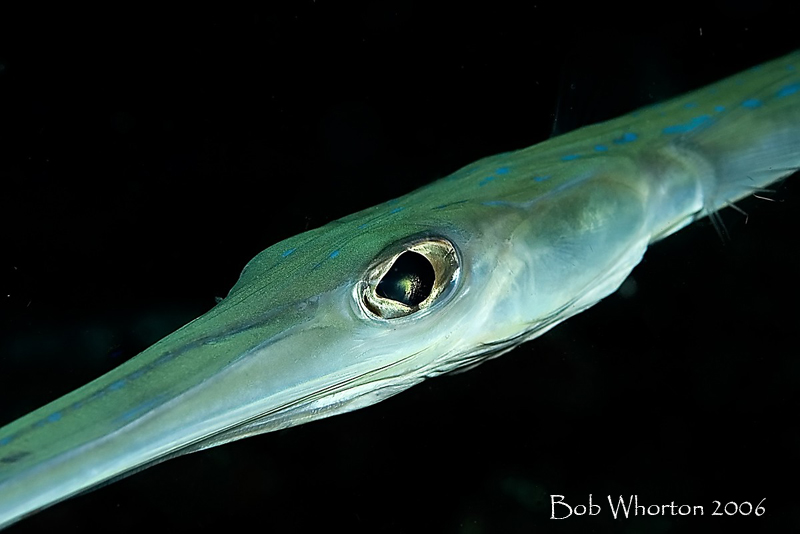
(410,279)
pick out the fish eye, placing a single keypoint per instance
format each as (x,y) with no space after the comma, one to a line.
(410,279)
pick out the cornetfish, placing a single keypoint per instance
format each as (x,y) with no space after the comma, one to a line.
(441,279)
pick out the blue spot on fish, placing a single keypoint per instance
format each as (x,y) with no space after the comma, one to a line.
(117,385)
(442,206)
(601,148)
(396,210)
(502,170)
(690,105)
(485,181)
(540,178)
(136,374)
(393,201)
(140,409)
(495,203)
(570,157)
(790,67)
(788,90)
(686,127)
(53,417)
(333,254)
(751,103)
(627,137)
(5,441)
(719,109)
(287,252)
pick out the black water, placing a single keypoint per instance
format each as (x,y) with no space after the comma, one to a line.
(146,156)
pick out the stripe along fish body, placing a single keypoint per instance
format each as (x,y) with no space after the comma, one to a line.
(440,279)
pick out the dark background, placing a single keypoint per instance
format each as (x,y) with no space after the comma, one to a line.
(145,156)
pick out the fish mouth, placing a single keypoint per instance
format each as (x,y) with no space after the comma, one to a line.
(203,385)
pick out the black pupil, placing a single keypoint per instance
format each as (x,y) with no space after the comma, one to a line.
(410,280)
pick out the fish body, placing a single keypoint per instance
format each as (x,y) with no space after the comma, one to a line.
(536,236)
